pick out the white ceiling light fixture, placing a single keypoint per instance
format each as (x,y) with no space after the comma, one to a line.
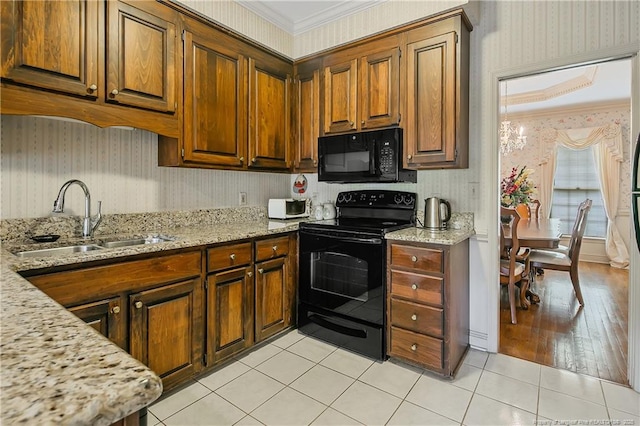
(510,137)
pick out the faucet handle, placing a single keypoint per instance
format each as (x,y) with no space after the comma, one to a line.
(99,207)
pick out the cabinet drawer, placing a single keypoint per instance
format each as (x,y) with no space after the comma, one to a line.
(425,259)
(272,248)
(417,287)
(418,348)
(418,318)
(228,256)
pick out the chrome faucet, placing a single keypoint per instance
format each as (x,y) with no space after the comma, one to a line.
(88,224)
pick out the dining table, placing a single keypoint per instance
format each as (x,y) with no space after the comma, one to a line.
(543,233)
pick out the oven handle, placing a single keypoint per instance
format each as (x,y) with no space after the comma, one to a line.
(324,322)
(345,238)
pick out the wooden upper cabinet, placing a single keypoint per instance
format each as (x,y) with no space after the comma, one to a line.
(269,113)
(380,89)
(215,106)
(52,45)
(437,98)
(141,55)
(306,116)
(362,87)
(340,96)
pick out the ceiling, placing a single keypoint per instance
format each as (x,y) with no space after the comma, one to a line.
(603,82)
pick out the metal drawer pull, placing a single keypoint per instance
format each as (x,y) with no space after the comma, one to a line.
(114,92)
(414,259)
(93,88)
(414,317)
(232,256)
(261,270)
(249,274)
(138,304)
(414,347)
(275,248)
(115,310)
(414,286)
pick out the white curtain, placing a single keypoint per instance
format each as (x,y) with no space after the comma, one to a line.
(606,144)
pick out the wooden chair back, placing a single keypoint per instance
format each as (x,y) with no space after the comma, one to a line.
(526,210)
(579,227)
(509,255)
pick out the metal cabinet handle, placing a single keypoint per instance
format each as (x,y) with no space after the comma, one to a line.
(261,270)
(414,259)
(315,162)
(115,310)
(362,122)
(253,160)
(414,347)
(92,88)
(409,157)
(414,317)
(275,248)
(138,304)
(242,159)
(249,274)
(414,286)
(351,123)
(114,92)
(232,256)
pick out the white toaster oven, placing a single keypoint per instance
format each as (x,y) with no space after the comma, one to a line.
(288,208)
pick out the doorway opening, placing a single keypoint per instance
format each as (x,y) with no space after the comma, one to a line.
(558,332)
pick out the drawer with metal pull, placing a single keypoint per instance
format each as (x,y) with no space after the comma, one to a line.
(424,259)
(418,318)
(228,256)
(272,248)
(417,287)
(418,348)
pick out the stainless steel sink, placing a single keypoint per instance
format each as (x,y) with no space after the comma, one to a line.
(59,251)
(135,242)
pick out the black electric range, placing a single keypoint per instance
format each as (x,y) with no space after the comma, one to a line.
(342,268)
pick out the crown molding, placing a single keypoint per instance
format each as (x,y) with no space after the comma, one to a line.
(330,14)
(560,89)
(591,107)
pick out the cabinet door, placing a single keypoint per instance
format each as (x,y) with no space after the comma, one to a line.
(307,117)
(215,106)
(269,113)
(273,297)
(340,96)
(141,49)
(380,89)
(164,333)
(52,45)
(107,316)
(229,312)
(430,130)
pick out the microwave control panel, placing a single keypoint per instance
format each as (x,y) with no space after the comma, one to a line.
(388,159)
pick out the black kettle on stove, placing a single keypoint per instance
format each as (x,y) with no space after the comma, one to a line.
(437,212)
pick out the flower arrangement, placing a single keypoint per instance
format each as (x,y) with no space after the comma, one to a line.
(516,188)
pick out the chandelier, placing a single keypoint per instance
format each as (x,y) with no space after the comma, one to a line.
(510,137)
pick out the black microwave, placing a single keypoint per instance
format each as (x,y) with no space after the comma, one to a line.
(374,156)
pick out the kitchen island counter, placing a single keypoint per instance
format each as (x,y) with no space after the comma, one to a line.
(57,370)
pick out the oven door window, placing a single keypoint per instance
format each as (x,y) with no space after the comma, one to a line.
(340,274)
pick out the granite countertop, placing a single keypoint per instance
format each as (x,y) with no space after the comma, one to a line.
(56,369)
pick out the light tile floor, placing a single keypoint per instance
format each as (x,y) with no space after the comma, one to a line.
(298,380)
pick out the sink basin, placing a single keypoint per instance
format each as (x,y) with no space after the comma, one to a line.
(134,242)
(59,251)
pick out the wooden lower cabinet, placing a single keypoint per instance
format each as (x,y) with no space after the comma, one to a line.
(275,286)
(428,304)
(164,330)
(229,312)
(106,316)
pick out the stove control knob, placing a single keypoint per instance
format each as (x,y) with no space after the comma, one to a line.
(408,199)
(348,197)
(340,198)
(398,199)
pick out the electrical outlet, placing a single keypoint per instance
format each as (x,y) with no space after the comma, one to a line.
(473,189)
(242,198)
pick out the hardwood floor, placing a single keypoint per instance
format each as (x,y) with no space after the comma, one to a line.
(560,333)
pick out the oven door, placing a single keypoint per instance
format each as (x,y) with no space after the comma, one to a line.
(343,274)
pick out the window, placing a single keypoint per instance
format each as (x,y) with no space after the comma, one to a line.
(576,180)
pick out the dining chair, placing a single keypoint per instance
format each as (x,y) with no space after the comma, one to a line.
(566,259)
(527,212)
(514,263)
